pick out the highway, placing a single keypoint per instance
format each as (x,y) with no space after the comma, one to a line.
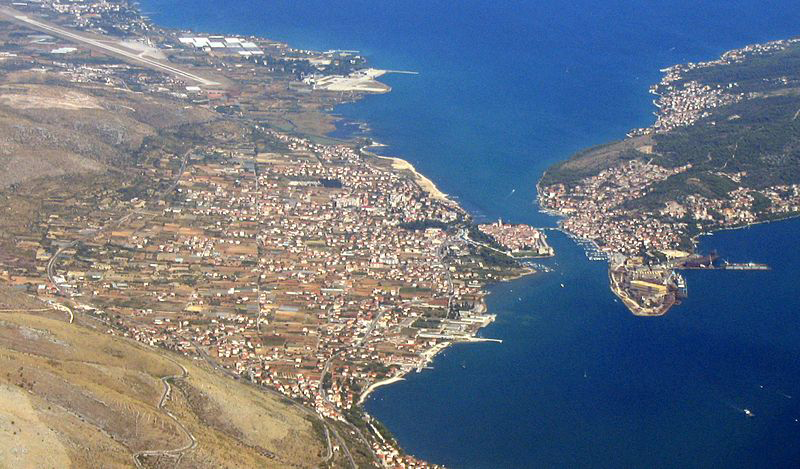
(324,395)
(151,63)
(51,265)
(65,309)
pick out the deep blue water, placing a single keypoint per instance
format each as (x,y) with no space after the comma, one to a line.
(580,382)
(506,89)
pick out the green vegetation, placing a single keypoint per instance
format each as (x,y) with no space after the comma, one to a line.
(589,162)
(761,203)
(758,137)
(752,74)
(479,236)
(674,187)
(495,259)
(426,324)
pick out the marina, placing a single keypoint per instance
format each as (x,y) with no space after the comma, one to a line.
(530,389)
(591,249)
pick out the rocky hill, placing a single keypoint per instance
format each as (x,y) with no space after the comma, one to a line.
(75,396)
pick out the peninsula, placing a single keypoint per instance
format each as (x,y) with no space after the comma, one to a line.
(724,152)
(177,189)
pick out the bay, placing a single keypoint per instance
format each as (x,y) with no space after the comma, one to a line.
(506,89)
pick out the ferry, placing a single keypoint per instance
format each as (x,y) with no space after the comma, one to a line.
(680,284)
(747,266)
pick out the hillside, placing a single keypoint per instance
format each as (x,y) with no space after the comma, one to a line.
(725,145)
(75,396)
(724,152)
(55,129)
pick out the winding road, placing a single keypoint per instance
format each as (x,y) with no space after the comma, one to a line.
(180,451)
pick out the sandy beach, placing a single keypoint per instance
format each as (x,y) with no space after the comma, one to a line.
(426,184)
(376,385)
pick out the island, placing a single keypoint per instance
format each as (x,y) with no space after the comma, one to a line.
(178,191)
(724,152)
(516,240)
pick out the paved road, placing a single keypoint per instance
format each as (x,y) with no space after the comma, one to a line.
(51,265)
(52,261)
(151,63)
(321,393)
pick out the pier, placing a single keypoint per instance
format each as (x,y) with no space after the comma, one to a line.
(726,266)
(481,339)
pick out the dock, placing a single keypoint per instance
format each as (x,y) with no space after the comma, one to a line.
(481,339)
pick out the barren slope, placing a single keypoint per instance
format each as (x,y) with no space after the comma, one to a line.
(73,395)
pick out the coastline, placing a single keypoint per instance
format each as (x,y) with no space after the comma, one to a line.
(404,167)
(378,384)
(696,238)
(427,356)
(401,165)
(438,341)
(638,231)
(546,404)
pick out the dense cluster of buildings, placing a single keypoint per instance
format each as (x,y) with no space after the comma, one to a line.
(100,16)
(683,102)
(313,269)
(595,207)
(740,207)
(519,239)
(784,198)
(595,210)
(645,290)
(681,106)
(290,268)
(283,261)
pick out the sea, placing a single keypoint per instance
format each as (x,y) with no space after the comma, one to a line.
(505,89)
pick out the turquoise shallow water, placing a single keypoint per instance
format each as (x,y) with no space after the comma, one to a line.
(506,89)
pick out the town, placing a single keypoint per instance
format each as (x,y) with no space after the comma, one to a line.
(655,192)
(595,210)
(683,102)
(520,240)
(301,264)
